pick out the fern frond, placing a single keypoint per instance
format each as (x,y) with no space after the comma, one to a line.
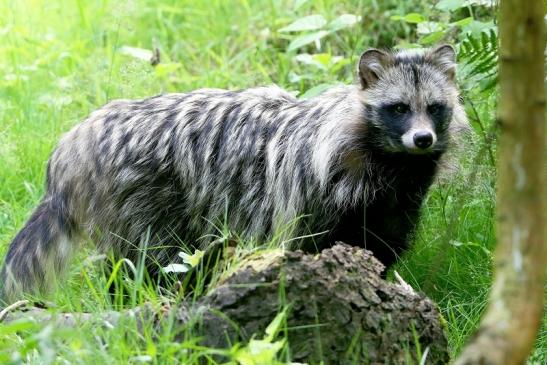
(478,59)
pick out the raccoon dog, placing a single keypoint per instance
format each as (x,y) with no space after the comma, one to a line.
(354,163)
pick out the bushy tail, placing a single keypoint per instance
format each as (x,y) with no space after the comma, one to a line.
(38,253)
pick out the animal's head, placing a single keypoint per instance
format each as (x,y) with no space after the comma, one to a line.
(411,99)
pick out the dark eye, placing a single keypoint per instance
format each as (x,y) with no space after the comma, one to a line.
(400,108)
(435,109)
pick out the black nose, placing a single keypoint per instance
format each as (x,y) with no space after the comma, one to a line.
(423,139)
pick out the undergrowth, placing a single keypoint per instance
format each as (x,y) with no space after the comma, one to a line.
(59,60)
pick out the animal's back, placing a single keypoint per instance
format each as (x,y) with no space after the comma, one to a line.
(165,165)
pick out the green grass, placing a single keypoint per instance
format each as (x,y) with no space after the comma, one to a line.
(59,60)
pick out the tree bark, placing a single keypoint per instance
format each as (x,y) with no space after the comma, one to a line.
(340,311)
(510,325)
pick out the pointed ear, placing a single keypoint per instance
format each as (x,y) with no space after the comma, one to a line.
(371,66)
(444,57)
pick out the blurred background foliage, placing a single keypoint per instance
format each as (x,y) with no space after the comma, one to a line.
(61,59)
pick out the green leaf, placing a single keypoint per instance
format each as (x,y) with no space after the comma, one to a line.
(311,22)
(432,37)
(450,5)
(323,58)
(414,18)
(295,78)
(192,260)
(313,60)
(275,325)
(428,27)
(316,90)
(344,21)
(259,352)
(476,27)
(462,22)
(319,60)
(306,39)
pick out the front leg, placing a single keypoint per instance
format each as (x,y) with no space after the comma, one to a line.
(389,222)
(383,226)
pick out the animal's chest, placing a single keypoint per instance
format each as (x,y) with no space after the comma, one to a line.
(383,221)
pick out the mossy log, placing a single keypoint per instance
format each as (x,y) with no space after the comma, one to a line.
(340,310)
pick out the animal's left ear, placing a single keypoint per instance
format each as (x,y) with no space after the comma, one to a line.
(444,57)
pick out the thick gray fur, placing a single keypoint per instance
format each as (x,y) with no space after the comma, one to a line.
(258,160)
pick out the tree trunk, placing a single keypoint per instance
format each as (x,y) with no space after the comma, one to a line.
(340,311)
(510,325)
